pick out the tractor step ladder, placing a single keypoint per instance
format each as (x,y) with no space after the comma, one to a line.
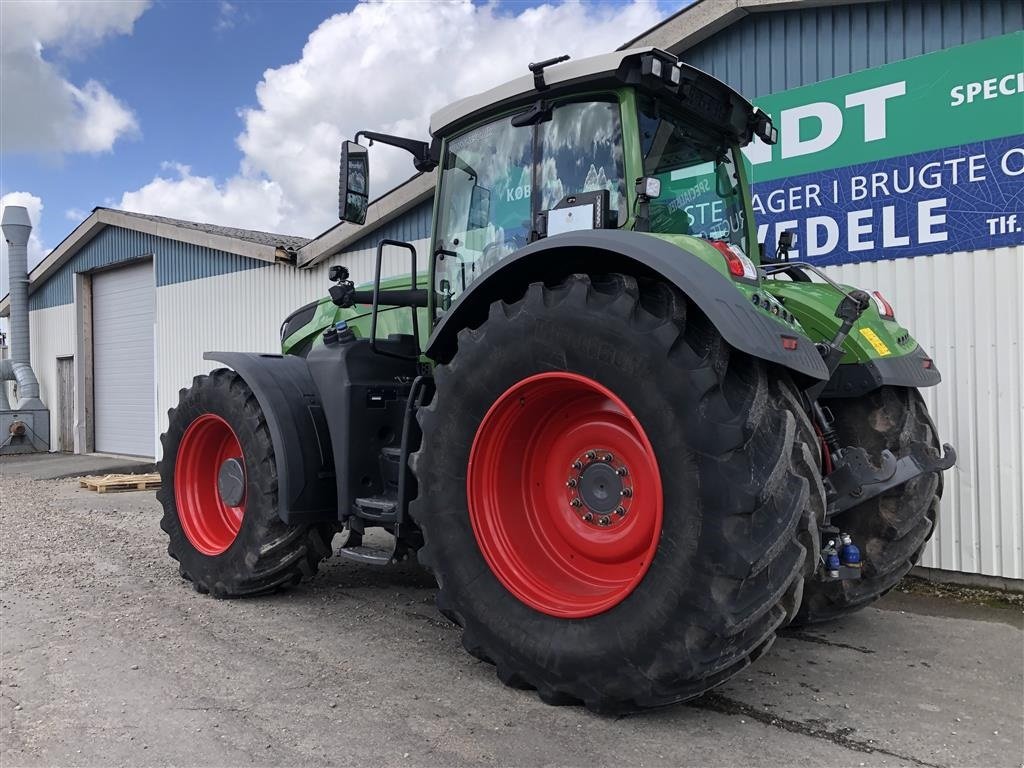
(367,555)
(378,509)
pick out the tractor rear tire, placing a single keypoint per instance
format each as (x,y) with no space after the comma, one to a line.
(684,584)
(234,545)
(891,530)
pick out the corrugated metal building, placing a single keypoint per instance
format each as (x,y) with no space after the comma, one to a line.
(215,289)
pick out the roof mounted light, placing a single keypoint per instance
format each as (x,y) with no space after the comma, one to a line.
(763,127)
(666,70)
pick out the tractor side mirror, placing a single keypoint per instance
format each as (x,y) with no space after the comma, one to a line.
(353,183)
(479,207)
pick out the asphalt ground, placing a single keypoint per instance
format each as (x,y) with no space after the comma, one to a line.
(108,658)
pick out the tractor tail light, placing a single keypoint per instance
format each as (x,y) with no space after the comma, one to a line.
(884,307)
(739,265)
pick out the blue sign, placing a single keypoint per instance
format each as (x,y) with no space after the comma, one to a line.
(960,198)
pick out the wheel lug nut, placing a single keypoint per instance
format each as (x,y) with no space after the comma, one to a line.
(608,457)
(603,520)
(576,503)
(577,465)
(591,455)
(621,472)
(626,493)
(620,511)
(571,482)
(588,517)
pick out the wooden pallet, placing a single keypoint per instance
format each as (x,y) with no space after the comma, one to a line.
(120,483)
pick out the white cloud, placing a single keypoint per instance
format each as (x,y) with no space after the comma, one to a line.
(41,111)
(383,66)
(36,252)
(226,16)
(250,203)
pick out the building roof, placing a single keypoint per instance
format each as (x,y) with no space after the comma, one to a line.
(290,242)
(703,18)
(263,246)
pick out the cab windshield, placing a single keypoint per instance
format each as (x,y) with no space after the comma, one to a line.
(700,189)
(497,178)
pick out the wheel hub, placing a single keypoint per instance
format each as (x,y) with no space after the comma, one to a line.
(598,489)
(231,482)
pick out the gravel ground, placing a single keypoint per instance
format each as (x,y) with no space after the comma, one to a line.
(108,658)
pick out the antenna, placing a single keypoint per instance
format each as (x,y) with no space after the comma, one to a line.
(538,71)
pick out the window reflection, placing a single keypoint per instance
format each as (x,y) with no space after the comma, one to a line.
(487,203)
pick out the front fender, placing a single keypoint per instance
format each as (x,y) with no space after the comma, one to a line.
(290,402)
(741,324)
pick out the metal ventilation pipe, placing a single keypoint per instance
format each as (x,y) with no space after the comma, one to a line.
(17,227)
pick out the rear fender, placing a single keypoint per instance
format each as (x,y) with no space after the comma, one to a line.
(282,384)
(742,325)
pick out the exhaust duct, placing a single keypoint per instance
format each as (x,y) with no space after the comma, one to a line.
(26,426)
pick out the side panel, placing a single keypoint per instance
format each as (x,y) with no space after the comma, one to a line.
(364,403)
(302,446)
(736,318)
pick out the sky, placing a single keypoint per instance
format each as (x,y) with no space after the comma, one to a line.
(233,112)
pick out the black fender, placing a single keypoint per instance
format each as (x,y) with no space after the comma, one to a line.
(741,325)
(284,388)
(914,369)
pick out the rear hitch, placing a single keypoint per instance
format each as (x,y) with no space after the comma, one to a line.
(856,479)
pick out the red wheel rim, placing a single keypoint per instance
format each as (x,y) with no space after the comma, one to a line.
(549,459)
(209,523)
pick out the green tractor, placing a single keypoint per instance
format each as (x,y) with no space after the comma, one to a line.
(630,444)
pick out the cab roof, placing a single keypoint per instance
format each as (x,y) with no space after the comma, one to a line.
(708,99)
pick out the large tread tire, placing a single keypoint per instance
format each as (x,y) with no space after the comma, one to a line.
(891,530)
(266,554)
(742,496)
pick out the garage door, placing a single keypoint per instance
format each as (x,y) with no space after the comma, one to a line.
(123,369)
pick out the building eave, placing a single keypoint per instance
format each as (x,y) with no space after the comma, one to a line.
(106,217)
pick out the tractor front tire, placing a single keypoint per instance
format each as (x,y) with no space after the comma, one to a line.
(619,509)
(219,495)
(891,529)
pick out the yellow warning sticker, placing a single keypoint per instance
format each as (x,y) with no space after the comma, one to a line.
(875,342)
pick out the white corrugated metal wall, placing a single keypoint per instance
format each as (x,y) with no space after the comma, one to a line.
(52,334)
(242,312)
(965,309)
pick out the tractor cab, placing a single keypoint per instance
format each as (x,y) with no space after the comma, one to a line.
(631,141)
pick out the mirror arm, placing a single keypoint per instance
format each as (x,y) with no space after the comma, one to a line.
(421,151)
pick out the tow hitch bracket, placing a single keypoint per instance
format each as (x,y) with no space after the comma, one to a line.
(857,479)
